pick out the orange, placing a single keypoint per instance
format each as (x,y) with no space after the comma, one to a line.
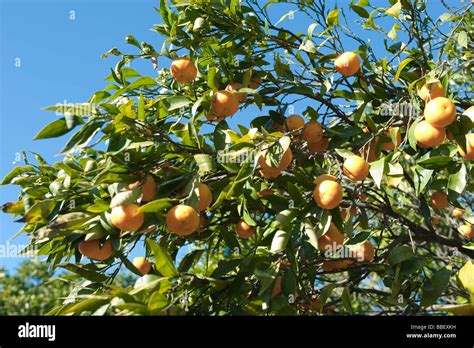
(224,104)
(202,220)
(332,238)
(390,146)
(265,192)
(428,136)
(182,220)
(467,231)
(183,70)
(320,146)
(271,172)
(328,194)
(294,122)
(363,252)
(440,112)
(278,127)
(431,91)
(469,153)
(312,132)
(369,151)
(93,250)
(347,63)
(457,212)
(439,200)
(323,177)
(244,230)
(148,188)
(142,265)
(356,168)
(127,217)
(435,220)
(233,88)
(329,266)
(315,304)
(205,197)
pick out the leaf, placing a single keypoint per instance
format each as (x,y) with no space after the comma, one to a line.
(279,241)
(205,163)
(360,11)
(157,301)
(376,170)
(466,277)
(463,309)
(163,262)
(311,29)
(434,287)
(144,81)
(333,17)
(436,162)
(56,128)
(393,32)
(457,182)
(177,102)
(88,305)
(86,271)
(126,197)
(130,39)
(213,79)
(395,10)
(141,107)
(15,172)
(402,66)
(399,254)
(156,206)
(462,39)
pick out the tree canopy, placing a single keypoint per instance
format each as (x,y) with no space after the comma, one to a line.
(268,170)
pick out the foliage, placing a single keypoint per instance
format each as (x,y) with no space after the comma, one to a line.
(140,125)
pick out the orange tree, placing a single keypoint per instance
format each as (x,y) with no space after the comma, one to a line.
(346,189)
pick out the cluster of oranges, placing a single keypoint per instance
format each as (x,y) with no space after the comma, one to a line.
(184,220)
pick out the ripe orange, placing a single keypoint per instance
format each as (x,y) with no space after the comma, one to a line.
(469,154)
(328,194)
(390,146)
(467,231)
(356,168)
(183,70)
(312,132)
(457,212)
(294,122)
(363,252)
(329,266)
(270,172)
(233,88)
(439,200)
(148,188)
(182,220)
(332,238)
(142,265)
(127,217)
(265,192)
(347,63)
(320,146)
(244,230)
(440,112)
(430,91)
(224,104)
(428,136)
(93,250)
(323,177)
(205,197)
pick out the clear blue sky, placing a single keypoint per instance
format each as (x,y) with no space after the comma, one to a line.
(60,60)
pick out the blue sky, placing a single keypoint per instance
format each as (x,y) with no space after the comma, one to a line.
(59,54)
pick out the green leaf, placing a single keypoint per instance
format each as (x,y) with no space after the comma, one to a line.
(399,254)
(213,79)
(163,262)
(434,287)
(333,17)
(279,241)
(466,277)
(157,301)
(86,271)
(156,206)
(395,10)
(15,172)
(402,66)
(141,107)
(126,197)
(462,39)
(88,305)
(376,170)
(436,162)
(57,128)
(360,11)
(457,182)
(130,39)
(177,102)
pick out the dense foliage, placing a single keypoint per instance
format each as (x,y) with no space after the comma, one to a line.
(139,127)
